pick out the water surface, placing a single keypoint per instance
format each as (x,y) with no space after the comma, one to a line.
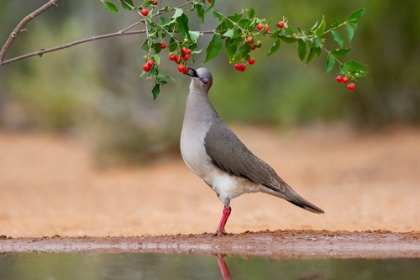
(172,266)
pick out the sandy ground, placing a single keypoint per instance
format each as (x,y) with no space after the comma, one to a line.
(363,181)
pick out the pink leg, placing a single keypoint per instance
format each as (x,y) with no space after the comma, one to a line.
(225,216)
(223,268)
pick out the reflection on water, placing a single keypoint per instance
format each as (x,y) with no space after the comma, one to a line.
(168,266)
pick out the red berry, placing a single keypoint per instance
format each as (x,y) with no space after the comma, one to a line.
(188,51)
(163,45)
(209,1)
(144,12)
(251,61)
(260,26)
(154,3)
(184,50)
(186,57)
(177,59)
(181,68)
(238,66)
(351,87)
(266,29)
(280,24)
(243,67)
(185,70)
(253,47)
(172,57)
(250,40)
(150,63)
(345,80)
(146,67)
(339,79)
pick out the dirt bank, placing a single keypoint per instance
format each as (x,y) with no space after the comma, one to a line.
(278,244)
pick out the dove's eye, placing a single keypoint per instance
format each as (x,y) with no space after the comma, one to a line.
(205,80)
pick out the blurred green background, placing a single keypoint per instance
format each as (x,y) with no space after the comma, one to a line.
(93,91)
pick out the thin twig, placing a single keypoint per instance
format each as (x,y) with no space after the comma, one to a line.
(94,38)
(129,27)
(21,24)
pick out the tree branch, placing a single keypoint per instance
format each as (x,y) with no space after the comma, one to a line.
(21,24)
(68,45)
(78,42)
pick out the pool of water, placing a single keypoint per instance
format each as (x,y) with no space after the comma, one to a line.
(171,266)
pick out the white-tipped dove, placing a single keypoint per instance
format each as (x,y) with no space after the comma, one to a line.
(216,155)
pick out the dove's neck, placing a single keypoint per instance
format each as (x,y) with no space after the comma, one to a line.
(199,111)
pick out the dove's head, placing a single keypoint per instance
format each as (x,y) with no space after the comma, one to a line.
(201,79)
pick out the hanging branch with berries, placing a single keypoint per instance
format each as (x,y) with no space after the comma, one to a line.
(239,34)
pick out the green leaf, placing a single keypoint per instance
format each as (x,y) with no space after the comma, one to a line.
(156,58)
(242,52)
(41,54)
(200,12)
(288,40)
(301,50)
(153,71)
(163,76)
(215,46)
(311,55)
(145,46)
(164,9)
(162,21)
(251,13)
(213,2)
(183,28)
(111,7)
(244,23)
(218,16)
(352,65)
(334,23)
(127,4)
(156,90)
(230,48)
(275,34)
(341,52)
(360,74)
(329,64)
(178,13)
(317,42)
(350,31)
(321,28)
(338,38)
(318,51)
(194,35)
(314,27)
(356,15)
(157,47)
(289,31)
(236,17)
(275,47)
(172,45)
(229,33)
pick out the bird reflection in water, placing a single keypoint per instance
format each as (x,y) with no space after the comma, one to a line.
(223,267)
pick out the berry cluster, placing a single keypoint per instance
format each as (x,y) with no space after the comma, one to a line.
(184,56)
(148,65)
(242,67)
(345,80)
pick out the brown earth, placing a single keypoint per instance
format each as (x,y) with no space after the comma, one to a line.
(277,244)
(363,180)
